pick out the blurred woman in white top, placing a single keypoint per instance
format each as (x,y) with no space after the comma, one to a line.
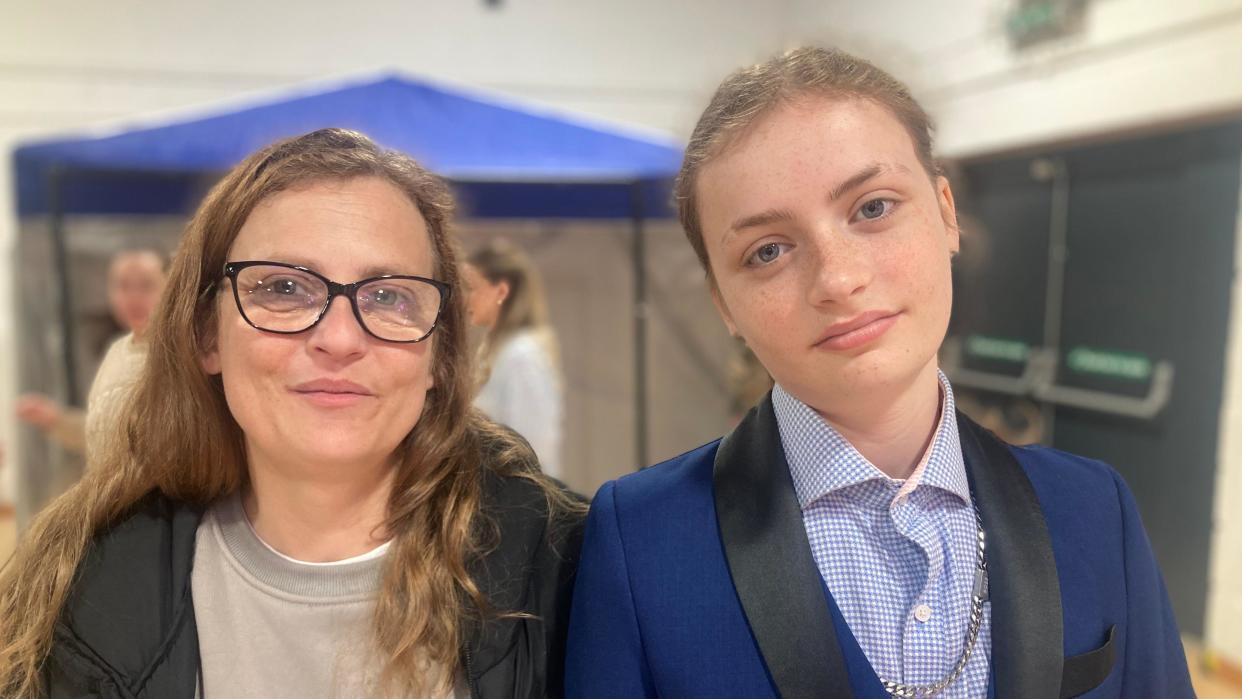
(519,368)
(136,279)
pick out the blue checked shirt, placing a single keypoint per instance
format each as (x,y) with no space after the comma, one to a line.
(898,556)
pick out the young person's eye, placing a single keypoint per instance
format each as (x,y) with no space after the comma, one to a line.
(875,209)
(766,254)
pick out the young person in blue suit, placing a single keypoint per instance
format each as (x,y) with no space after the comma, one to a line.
(855,536)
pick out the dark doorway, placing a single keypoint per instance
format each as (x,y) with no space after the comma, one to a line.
(1150,226)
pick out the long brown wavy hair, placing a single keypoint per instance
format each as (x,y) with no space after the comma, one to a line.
(178,437)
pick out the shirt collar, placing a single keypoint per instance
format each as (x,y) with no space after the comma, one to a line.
(822,461)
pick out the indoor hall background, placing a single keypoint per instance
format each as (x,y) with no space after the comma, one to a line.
(1131,64)
(1149,265)
(589,281)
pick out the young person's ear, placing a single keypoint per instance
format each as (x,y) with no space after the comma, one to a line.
(948,213)
(723,310)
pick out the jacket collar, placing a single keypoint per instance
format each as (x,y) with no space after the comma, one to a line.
(1027,634)
(780,588)
(770,561)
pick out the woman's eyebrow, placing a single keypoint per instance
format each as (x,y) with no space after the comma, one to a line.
(295,260)
(381,270)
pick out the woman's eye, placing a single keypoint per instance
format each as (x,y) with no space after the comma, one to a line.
(766,254)
(385,297)
(876,208)
(281,287)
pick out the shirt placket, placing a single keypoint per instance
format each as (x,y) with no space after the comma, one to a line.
(899,555)
(924,630)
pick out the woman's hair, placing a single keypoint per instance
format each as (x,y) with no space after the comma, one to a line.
(749,93)
(524,309)
(178,437)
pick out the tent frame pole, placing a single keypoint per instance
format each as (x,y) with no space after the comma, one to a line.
(638,258)
(60,256)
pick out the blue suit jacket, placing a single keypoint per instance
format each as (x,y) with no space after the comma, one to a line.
(697,580)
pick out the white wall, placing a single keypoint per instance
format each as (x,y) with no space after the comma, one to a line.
(65,64)
(1136,63)
(646,61)
(1224,612)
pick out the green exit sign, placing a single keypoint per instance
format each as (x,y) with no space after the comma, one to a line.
(1035,21)
(997,348)
(1114,365)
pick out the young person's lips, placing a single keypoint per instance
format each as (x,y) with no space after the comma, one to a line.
(857,331)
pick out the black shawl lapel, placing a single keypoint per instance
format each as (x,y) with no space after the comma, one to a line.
(771,563)
(1026,595)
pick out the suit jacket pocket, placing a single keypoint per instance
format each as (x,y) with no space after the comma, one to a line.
(1083,673)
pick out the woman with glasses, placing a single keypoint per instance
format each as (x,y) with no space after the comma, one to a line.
(300,500)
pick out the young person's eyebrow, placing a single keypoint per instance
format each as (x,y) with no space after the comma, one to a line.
(862,176)
(762,218)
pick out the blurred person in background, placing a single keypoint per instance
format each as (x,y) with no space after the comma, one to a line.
(855,535)
(521,383)
(303,503)
(135,281)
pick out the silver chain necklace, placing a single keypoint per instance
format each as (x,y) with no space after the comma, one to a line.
(977,597)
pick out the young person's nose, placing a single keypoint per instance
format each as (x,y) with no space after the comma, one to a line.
(841,268)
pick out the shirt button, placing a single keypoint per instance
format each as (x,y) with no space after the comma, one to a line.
(922,612)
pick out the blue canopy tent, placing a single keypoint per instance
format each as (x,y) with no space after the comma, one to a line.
(506,159)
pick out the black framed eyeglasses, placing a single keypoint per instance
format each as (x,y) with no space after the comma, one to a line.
(281,298)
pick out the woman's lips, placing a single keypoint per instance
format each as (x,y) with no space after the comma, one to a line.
(327,399)
(332,393)
(857,332)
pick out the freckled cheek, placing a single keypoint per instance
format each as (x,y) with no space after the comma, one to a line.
(928,295)
(921,269)
(774,327)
